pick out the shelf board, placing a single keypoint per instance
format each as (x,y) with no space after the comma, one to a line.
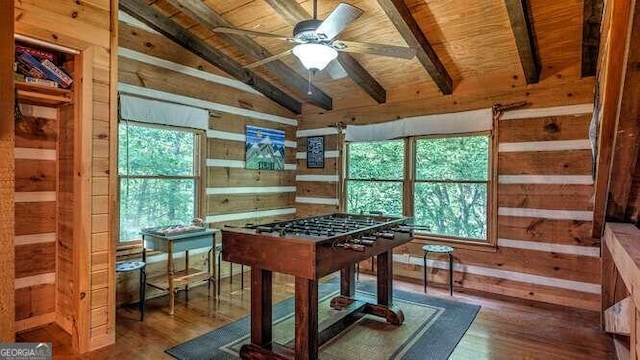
(43,95)
(180,278)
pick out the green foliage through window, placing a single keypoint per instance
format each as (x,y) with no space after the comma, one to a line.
(157,177)
(450,190)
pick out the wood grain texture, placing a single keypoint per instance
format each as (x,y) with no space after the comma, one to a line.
(616,26)
(216,177)
(35,300)
(181,36)
(564,232)
(7,182)
(225,204)
(37,132)
(405,23)
(574,162)
(592,19)
(545,129)
(542,196)
(35,175)
(522,26)
(35,259)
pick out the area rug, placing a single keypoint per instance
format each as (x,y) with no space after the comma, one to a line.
(432,329)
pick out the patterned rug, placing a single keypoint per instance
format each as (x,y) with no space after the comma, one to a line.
(431,330)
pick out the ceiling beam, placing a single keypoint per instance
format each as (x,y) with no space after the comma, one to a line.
(400,15)
(205,16)
(522,26)
(591,36)
(294,13)
(154,19)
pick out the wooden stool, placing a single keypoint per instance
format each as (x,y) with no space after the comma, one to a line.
(438,249)
(128,266)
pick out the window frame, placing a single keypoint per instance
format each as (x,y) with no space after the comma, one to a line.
(346,179)
(198,166)
(409,182)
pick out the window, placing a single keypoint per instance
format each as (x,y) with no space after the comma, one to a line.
(158,177)
(447,182)
(451,183)
(375,177)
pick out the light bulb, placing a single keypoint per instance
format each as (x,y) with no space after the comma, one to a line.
(315,57)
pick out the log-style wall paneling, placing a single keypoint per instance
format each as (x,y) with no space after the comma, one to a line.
(7,182)
(544,250)
(173,31)
(318,190)
(89,28)
(232,194)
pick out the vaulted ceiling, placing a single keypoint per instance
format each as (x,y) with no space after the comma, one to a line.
(478,42)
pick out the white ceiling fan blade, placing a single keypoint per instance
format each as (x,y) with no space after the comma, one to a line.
(375,49)
(335,70)
(338,20)
(268,59)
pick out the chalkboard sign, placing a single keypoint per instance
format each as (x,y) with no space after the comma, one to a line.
(315,152)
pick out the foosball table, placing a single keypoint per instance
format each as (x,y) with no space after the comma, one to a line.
(310,248)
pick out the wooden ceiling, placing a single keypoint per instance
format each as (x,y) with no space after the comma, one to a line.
(473,39)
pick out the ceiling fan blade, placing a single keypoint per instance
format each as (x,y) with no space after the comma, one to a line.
(229,30)
(268,59)
(338,20)
(374,49)
(335,70)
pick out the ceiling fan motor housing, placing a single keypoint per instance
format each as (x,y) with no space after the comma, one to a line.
(306,30)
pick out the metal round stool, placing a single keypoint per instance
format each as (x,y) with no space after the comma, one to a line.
(128,266)
(438,249)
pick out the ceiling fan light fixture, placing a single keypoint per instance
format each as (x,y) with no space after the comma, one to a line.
(314,57)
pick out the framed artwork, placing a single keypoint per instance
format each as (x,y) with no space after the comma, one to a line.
(264,149)
(315,152)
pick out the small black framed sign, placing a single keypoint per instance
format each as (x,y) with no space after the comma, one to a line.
(315,152)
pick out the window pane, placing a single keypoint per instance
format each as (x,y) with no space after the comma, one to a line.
(371,196)
(154,202)
(452,209)
(377,160)
(456,158)
(155,151)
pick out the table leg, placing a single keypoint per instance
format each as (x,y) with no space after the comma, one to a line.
(307,319)
(261,322)
(347,288)
(385,307)
(170,274)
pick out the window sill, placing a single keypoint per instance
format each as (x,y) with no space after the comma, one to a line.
(457,244)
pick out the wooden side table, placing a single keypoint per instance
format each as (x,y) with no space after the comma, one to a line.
(171,244)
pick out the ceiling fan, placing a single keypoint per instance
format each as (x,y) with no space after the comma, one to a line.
(316,45)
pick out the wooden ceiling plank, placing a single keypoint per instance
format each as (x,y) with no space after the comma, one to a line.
(401,17)
(152,18)
(293,12)
(591,36)
(520,17)
(208,18)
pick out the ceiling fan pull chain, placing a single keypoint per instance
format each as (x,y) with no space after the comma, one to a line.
(309,91)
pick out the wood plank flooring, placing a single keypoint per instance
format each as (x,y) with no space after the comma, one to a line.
(505,328)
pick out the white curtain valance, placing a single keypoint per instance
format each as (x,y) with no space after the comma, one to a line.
(157,112)
(460,122)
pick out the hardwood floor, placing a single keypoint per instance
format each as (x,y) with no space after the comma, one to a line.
(505,328)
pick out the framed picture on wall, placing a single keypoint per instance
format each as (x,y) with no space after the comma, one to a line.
(264,149)
(315,152)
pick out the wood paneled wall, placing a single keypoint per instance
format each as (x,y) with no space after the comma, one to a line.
(7,180)
(232,195)
(545,199)
(89,27)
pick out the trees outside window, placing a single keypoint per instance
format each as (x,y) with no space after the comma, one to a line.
(158,177)
(448,182)
(375,177)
